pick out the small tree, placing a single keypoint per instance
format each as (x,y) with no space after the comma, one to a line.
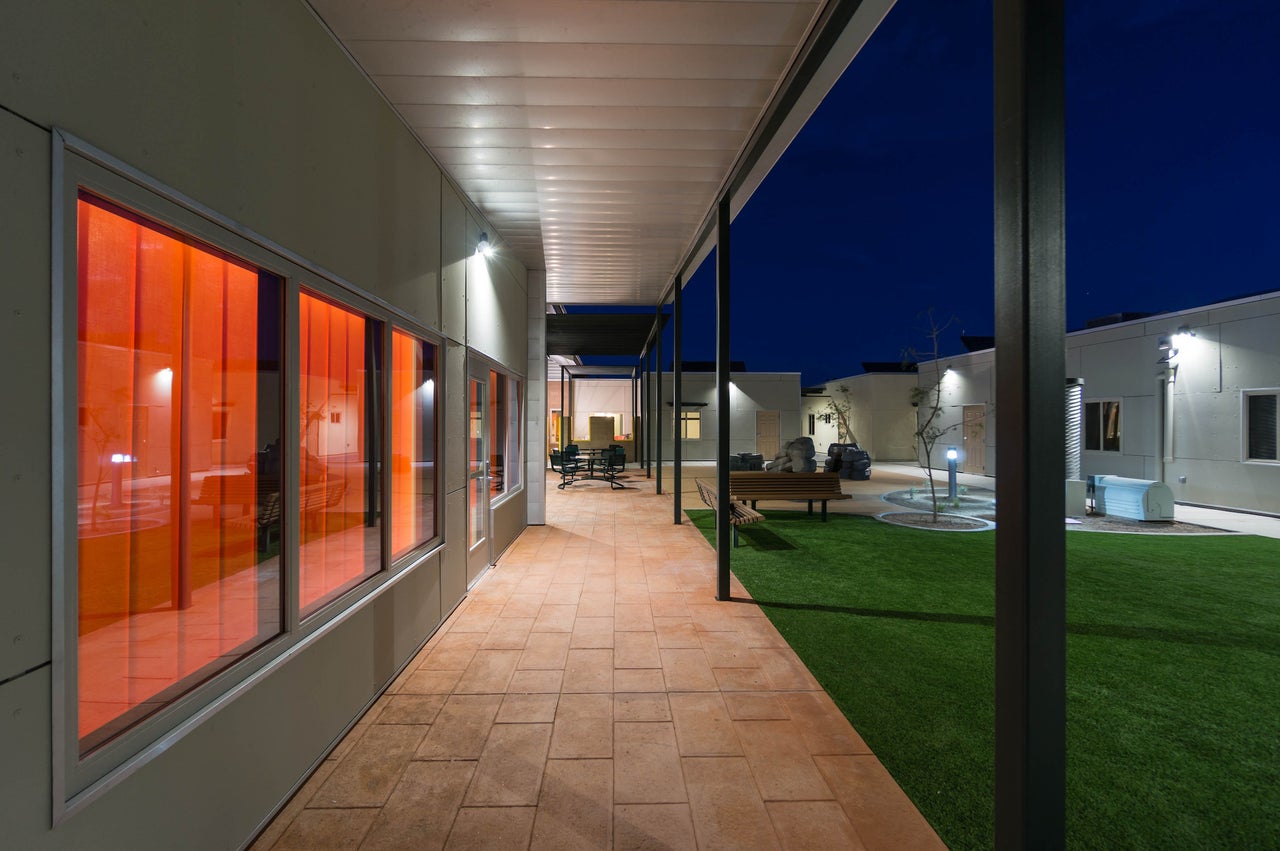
(928,402)
(840,408)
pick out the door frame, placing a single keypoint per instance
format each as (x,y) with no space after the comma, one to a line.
(777,421)
(974,426)
(479,542)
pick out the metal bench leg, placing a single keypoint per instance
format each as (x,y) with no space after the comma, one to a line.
(735,536)
(824,511)
(824,507)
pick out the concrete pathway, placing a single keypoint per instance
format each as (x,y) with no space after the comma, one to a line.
(591,693)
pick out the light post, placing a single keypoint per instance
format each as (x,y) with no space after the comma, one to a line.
(952,455)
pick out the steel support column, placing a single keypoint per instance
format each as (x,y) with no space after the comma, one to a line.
(644,409)
(645,394)
(723,531)
(563,412)
(677,419)
(1030,632)
(657,403)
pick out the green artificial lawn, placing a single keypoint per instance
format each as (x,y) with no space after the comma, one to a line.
(1173,670)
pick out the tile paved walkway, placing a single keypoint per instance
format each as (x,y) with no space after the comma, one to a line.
(591,693)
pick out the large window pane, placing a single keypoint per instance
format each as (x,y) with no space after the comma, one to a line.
(514,461)
(337,504)
(413,443)
(1111,426)
(1262,427)
(504,433)
(178,525)
(1093,425)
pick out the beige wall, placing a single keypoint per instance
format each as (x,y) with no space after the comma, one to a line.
(880,414)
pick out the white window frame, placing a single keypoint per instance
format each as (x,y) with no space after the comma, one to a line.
(690,416)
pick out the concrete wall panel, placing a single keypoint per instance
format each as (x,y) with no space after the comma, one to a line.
(24,418)
(453,569)
(453,265)
(455,417)
(262,118)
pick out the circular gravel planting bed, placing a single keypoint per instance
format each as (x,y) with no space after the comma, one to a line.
(942,523)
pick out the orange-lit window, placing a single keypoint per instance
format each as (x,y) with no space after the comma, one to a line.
(505,464)
(337,504)
(413,443)
(178,515)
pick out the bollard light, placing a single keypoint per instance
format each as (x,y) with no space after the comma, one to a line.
(952,455)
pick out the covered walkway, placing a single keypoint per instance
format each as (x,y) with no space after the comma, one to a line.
(590,692)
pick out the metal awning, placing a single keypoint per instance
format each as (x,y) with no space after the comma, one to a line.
(599,333)
(597,136)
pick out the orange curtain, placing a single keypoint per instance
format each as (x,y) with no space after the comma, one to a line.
(168,333)
(338,547)
(412,443)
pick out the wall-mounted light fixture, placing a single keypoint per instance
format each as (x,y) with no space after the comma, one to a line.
(1182,336)
(483,248)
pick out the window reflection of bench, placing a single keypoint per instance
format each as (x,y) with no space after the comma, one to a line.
(264,494)
(244,490)
(319,496)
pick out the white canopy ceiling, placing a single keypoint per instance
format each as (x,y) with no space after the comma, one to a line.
(597,135)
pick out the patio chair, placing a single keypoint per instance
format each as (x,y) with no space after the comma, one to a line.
(614,461)
(570,467)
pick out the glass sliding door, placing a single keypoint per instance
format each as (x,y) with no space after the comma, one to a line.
(477,474)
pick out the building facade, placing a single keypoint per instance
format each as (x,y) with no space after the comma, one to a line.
(764,413)
(879,414)
(1187,398)
(269,425)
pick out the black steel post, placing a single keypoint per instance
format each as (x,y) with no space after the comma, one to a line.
(723,534)
(563,412)
(644,409)
(1030,631)
(677,420)
(657,402)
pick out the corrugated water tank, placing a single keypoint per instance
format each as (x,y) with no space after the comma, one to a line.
(1136,499)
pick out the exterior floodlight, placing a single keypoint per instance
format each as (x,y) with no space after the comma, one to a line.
(1182,336)
(483,247)
(1164,344)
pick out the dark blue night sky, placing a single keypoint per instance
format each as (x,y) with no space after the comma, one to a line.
(882,208)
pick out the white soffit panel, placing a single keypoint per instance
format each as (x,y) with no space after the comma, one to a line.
(594,135)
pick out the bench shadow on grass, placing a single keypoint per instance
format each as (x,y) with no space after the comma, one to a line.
(761,538)
(1260,643)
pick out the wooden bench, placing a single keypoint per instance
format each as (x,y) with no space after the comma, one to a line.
(752,486)
(739,513)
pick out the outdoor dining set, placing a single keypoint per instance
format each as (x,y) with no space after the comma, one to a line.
(576,464)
